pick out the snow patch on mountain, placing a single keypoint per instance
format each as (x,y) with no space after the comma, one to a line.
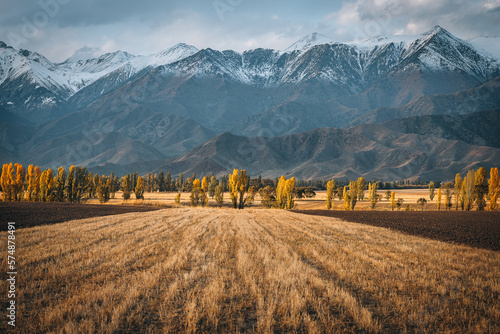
(308,42)
(76,73)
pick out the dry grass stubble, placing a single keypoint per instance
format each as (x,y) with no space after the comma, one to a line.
(214,270)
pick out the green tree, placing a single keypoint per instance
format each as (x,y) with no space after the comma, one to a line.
(373,196)
(353,193)
(139,188)
(168,182)
(481,188)
(195,193)
(432,189)
(126,187)
(219,195)
(180,182)
(267,196)
(104,190)
(250,195)
(388,195)
(457,189)
(399,203)
(422,201)
(212,186)
(469,195)
(463,195)
(161,182)
(447,198)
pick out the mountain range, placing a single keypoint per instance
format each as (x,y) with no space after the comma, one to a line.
(388,108)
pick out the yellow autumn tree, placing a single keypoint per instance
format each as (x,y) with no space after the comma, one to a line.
(393,200)
(480,188)
(494,188)
(373,196)
(285,193)
(7,171)
(204,192)
(469,189)
(36,185)
(439,199)
(18,183)
(347,200)
(70,185)
(237,188)
(60,183)
(330,186)
(30,183)
(46,184)
(139,188)
(233,186)
(280,193)
(289,193)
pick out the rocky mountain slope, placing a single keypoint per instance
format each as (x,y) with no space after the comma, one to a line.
(372,151)
(120,111)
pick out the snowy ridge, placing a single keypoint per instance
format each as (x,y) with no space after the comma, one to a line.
(349,66)
(67,78)
(308,42)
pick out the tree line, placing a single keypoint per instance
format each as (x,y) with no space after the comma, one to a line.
(474,189)
(78,184)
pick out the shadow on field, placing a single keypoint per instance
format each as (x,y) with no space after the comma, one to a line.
(473,228)
(30,214)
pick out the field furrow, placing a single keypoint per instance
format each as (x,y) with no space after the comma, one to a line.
(221,270)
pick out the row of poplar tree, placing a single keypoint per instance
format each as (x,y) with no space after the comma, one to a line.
(76,184)
(34,185)
(473,189)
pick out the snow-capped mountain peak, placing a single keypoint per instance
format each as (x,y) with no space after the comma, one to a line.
(83,54)
(308,42)
(173,54)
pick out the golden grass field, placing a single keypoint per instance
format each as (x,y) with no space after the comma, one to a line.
(410,197)
(263,271)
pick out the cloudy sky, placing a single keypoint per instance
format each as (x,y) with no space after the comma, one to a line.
(57,28)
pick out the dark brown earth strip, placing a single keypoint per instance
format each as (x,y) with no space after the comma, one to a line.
(29,214)
(472,228)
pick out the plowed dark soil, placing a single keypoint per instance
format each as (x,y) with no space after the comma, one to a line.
(472,228)
(28,214)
